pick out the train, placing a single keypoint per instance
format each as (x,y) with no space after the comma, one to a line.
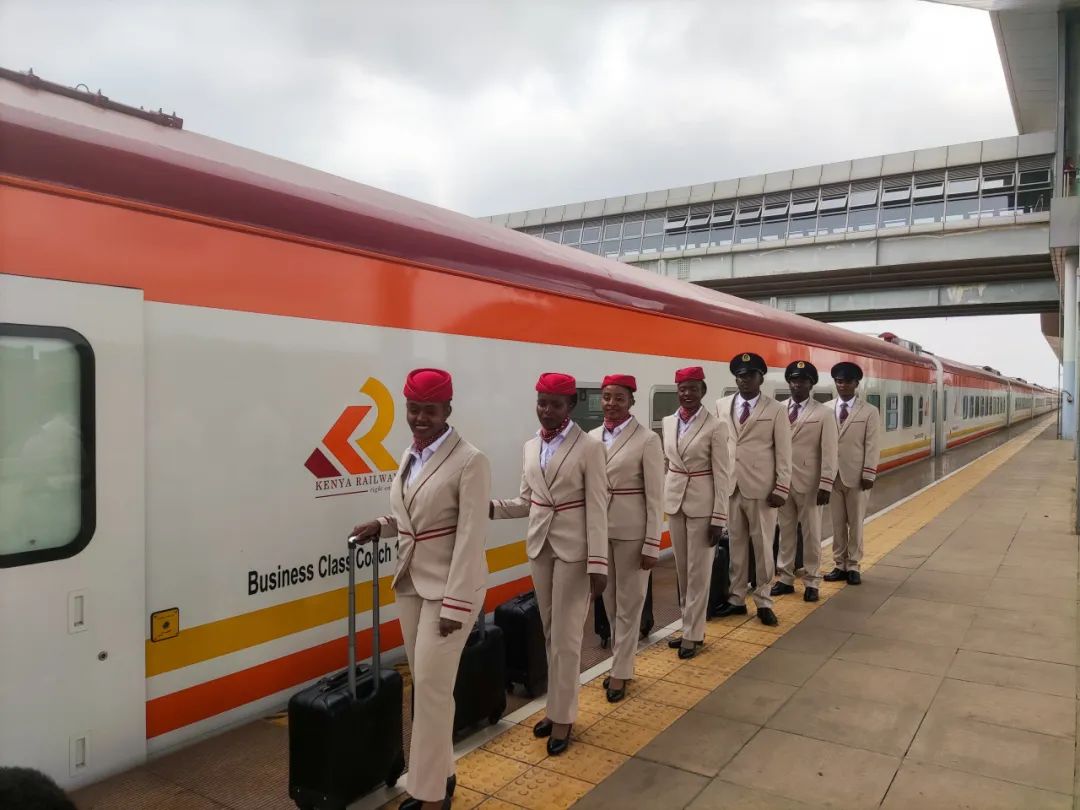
(201,356)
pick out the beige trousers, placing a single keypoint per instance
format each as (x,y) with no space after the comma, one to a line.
(800,507)
(848,507)
(751,524)
(433,662)
(562,591)
(624,598)
(693,565)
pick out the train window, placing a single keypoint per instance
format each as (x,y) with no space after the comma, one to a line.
(921,406)
(729,391)
(588,412)
(909,410)
(966,407)
(875,400)
(892,406)
(47,491)
(933,405)
(781,396)
(665,401)
(823,396)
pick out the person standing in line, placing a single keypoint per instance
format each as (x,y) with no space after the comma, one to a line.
(813,469)
(564,493)
(759,485)
(698,451)
(438,512)
(859,451)
(635,470)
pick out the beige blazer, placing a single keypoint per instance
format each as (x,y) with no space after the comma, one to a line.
(567,503)
(698,467)
(762,448)
(440,521)
(635,471)
(859,449)
(813,447)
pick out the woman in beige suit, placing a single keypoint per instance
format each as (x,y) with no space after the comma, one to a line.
(564,493)
(438,512)
(635,470)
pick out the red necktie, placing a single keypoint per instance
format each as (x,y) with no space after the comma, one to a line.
(794,413)
(843,412)
(745,412)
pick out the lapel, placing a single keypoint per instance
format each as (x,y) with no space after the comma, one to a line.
(692,431)
(621,440)
(804,411)
(533,472)
(397,494)
(556,462)
(671,437)
(431,467)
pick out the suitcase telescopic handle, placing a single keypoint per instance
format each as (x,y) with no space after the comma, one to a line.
(376,661)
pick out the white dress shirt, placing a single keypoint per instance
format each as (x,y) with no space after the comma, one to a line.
(740,401)
(421,458)
(850,406)
(547,449)
(682,426)
(611,435)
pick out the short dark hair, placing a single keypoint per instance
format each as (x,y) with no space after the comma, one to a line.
(27,789)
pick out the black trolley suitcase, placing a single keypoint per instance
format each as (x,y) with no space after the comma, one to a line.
(720,577)
(602,625)
(526,651)
(480,689)
(345,731)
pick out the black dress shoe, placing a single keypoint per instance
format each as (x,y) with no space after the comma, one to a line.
(556,747)
(690,652)
(607,681)
(410,804)
(781,588)
(854,578)
(810,595)
(731,610)
(674,643)
(615,695)
(451,785)
(836,575)
(543,728)
(766,616)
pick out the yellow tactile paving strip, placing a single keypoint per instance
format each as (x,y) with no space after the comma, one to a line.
(513,770)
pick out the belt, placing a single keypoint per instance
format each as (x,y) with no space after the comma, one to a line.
(560,507)
(431,534)
(696,474)
(627,491)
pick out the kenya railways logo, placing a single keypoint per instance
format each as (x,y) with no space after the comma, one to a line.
(346,463)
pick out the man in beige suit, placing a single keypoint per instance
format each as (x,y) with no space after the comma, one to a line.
(698,451)
(635,471)
(813,468)
(564,493)
(857,461)
(438,512)
(759,484)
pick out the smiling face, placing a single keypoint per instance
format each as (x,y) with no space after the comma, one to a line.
(690,394)
(616,401)
(553,409)
(845,387)
(426,419)
(749,383)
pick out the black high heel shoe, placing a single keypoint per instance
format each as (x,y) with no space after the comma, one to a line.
(615,695)
(543,728)
(416,804)
(556,746)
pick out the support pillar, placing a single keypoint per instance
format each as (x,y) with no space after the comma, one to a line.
(1068,351)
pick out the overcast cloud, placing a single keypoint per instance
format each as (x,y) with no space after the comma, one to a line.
(495,106)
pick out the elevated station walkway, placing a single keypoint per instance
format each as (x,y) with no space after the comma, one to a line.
(947,679)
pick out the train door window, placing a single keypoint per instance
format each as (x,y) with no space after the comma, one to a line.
(781,396)
(588,413)
(47,491)
(823,396)
(729,391)
(665,401)
(909,410)
(875,400)
(933,405)
(892,407)
(966,407)
(921,407)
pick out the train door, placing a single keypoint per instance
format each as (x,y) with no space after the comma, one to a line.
(940,409)
(72,527)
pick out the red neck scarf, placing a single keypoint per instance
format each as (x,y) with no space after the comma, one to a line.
(419,445)
(548,435)
(686,415)
(610,426)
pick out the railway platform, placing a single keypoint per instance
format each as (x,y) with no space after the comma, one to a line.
(947,679)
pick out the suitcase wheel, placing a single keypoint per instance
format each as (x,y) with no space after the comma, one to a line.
(396,770)
(604,642)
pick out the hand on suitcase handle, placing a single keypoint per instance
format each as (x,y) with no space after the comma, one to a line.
(647,562)
(365,532)
(448,626)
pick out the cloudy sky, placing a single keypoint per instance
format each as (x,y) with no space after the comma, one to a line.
(486,106)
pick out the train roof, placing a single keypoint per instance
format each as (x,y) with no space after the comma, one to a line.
(56,138)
